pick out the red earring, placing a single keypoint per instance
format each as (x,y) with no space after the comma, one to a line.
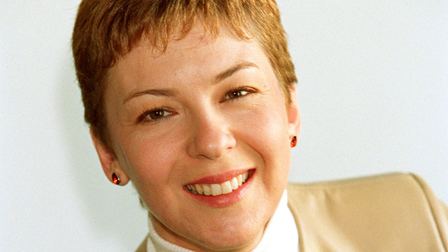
(293,142)
(115,179)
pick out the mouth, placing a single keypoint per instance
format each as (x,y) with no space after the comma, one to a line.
(221,190)
(216,189)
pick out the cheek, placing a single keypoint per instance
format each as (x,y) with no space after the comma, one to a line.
(149,161)
(266,131)
(152,165)
(266,125)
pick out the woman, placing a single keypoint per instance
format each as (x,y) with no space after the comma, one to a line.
(193,101)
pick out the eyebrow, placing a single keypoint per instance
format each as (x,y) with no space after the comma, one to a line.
(155,92)
(233,69)
(218,78)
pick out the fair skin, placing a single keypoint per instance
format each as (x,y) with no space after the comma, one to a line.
(204,108)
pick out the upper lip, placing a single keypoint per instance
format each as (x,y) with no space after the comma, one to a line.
(218,178)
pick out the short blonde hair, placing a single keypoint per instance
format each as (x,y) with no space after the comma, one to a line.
(106,30)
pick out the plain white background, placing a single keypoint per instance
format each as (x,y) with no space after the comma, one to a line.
(373,93)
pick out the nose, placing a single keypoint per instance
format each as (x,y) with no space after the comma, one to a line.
(211,137)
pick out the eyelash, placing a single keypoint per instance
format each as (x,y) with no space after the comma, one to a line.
(146,117)
(231,95)
(248,90)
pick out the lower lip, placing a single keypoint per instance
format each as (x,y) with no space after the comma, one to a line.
(225,200)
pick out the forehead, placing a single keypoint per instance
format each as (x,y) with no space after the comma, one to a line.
(198,55)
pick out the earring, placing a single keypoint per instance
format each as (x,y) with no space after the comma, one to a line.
(115,179)
(293,142)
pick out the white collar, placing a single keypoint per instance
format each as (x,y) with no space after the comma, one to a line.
(280,234)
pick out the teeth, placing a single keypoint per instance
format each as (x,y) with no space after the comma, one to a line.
(216,189)
(240,180)
(207,190)
(219,189)
(226,187)
(199,189)
(234,183)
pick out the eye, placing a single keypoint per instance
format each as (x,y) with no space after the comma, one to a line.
(239,92)
(154,115)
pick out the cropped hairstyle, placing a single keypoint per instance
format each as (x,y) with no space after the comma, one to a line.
(106,30)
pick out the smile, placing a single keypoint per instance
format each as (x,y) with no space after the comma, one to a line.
(219,189)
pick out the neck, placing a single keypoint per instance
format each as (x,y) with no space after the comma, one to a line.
(166,235)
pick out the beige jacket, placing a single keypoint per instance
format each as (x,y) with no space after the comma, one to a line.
(392,212)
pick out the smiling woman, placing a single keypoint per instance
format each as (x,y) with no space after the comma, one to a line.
(192,117)
(194,102)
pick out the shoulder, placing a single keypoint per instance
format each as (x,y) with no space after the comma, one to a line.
(385,186)
(384,191)
(370,208)
(406,183)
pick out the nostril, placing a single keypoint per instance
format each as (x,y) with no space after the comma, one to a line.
(211,143)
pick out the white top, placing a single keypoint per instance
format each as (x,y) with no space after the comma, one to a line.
(280,234)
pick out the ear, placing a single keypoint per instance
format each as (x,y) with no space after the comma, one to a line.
(108,160)
(293,113)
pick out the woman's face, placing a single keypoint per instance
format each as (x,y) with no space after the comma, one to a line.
(195,120)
